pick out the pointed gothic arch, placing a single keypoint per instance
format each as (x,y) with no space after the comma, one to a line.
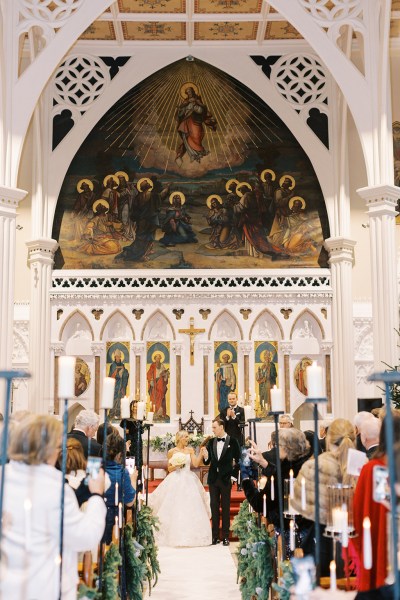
(231,316)
(70,317)
(162,316)
(111,317)
(304,312)
(266,311)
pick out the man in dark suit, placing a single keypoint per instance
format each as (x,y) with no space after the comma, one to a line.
(233,417)
(86,425)
(222,453)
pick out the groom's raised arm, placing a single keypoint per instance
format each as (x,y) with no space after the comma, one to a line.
(207,454)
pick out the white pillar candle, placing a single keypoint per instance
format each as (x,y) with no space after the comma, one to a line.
(116,494)
(345,530)
(140,411)
(248,412)
(143,474)
(120,515)
(277,400)
(332,570)
(367,543)
(303,494)
(66,376)
(107,397)
(272,488)
(291,483)
(150,416)
(125,407)
(116,529)
(314,381)
(264,505)
(337,519)
(292,540)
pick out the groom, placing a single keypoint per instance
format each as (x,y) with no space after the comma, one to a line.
(222,453)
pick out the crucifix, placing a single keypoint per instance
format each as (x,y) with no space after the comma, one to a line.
(191,332)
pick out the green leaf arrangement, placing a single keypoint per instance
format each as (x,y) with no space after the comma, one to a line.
(147,523)
(110,591)
(255,555)
(286,581)
(135,570)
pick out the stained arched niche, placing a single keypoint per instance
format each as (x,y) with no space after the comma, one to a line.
(117,327)
(158,328)
(266,327)
(307,334)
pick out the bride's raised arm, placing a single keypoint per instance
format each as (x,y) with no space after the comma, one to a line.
(196,460)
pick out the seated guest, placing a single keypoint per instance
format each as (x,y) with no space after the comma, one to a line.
(86,425)
(369,434)
(323,430)
(233,416)
(365,506)
(332,469)
(100,433)
(117,474)
(76,470)
(358,420)
(32,500)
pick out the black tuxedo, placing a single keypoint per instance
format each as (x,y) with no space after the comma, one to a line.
(95,448)
(219,481)
(232,426)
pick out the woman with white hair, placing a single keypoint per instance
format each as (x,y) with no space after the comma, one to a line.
(180,501)
(30,566)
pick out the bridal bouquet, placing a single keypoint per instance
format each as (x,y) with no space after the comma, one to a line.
(178,459)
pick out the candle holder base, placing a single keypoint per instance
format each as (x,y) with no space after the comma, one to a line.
(316,400)
(291,515)
(272,413)
(337,535)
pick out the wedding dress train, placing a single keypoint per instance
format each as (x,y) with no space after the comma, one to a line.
(182,505)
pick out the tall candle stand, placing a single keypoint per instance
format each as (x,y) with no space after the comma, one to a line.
(8,376)
(253,428)
(121,525)
(101,554)
(315,402)
(390,378)
(146,427)
(276,414)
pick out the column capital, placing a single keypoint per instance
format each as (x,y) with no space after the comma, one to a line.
(177,348)
(380,199)
(97,348)
(340,249)
(137,348)
(285,347)
(57,348)
(245,347)
(9,200)
(326,347)
(41,249)
(205,347)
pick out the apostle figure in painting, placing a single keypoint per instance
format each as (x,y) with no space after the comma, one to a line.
(221,219)
(176,224)
(157,379)
(121,375)
(82,209)
(192,115)
(225,378)
(266,379)
(145,217)
(111,194)
(101,235)
(127,192)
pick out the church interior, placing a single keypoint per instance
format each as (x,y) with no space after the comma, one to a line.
(199,198)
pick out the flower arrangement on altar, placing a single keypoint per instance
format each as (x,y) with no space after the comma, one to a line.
(163,443)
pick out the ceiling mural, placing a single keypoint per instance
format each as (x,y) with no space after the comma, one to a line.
(190,169)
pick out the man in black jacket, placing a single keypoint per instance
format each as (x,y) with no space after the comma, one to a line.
(86,425)
(222,453)
(233,418)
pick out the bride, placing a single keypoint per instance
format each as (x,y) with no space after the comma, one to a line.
(180,501)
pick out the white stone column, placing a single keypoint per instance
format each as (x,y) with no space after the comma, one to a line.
(56,350)
(9,199)
(341,257)
(208,399)
(139,385)
(285,349)
(176,384)
(381,204)
(40,260)
(98,350)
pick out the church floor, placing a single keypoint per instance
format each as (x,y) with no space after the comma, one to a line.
(196,573)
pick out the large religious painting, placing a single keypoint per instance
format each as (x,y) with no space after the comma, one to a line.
(82,376)
(190,169)
(225,373)
(157,374)
(300,374)
(118,368)
(266,375)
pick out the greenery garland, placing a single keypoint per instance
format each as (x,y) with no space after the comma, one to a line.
(109,591)
(147,523)
(286,581)
(135,570)
(255,564)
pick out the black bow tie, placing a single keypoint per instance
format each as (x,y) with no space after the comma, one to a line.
(220,439)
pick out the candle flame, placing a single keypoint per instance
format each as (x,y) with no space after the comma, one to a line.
(367,523)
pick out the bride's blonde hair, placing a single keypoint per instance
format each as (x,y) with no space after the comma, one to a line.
(180,434)
(339,439)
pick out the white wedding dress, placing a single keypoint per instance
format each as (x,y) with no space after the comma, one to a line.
(183,507)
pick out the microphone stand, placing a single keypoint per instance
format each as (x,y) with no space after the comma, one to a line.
(101,556)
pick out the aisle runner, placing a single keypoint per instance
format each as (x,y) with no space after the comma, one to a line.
(196,574)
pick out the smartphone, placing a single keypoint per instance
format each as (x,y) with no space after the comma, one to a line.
(130,464)
(380,483)
(245,460)
(93,466)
